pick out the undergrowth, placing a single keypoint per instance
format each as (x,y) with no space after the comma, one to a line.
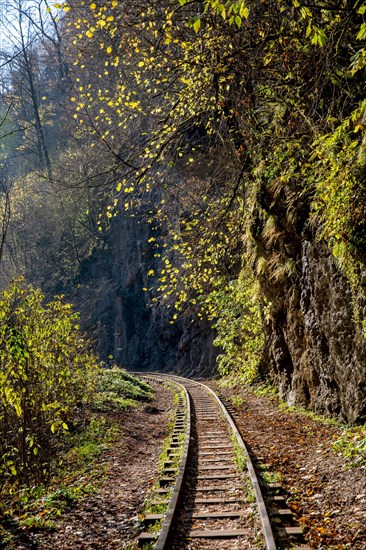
(352,445)
(78,469)
(240,458)
(119,390)
(309,414)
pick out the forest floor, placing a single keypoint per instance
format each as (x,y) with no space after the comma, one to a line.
(327,497)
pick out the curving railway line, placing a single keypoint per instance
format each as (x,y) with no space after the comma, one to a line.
(209,495)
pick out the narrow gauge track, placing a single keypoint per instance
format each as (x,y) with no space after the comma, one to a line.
(215,502)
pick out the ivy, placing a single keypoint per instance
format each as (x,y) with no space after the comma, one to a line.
(237,318)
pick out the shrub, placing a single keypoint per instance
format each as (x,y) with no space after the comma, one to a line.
(237,317)
(47,373)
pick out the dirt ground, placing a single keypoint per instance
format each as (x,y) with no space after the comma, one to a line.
(328,500)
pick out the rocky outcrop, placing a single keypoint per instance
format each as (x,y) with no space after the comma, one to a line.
(316,351)
(121,316)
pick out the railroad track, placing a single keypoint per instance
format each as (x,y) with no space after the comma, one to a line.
(212,497)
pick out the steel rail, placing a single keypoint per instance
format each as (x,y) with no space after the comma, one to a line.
(173,503)
(264,518)
(266,524)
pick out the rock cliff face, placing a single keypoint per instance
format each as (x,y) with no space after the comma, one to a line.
(122,318)
(316,352)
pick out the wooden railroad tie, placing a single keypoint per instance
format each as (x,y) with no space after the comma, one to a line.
(218,534)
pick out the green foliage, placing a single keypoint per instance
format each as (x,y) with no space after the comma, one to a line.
(252,116)
(237,400)
(341,158)
(47,374)
(237,319)
(77,467)
(240,458)
(309,414)
(88,443)
(266,390)
(79,473)
(271,477)
(118,390)
(352,445)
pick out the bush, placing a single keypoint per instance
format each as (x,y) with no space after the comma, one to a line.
(237,318)
(47,373)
